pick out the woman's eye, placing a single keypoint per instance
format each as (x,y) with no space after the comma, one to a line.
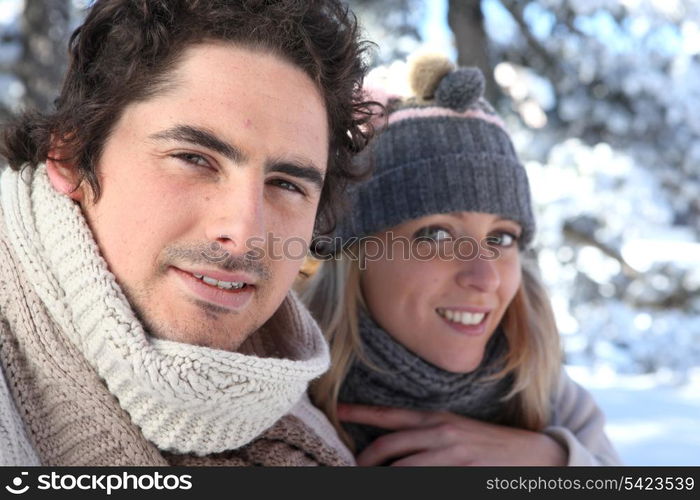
(434,233)
(192,159)
(502,239)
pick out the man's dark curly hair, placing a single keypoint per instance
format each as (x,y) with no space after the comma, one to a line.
(124,53)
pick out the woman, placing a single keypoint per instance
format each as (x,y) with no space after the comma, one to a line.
(444,346)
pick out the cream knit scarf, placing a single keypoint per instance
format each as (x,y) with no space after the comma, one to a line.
(185,399)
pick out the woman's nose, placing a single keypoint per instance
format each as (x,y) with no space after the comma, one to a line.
(480,273)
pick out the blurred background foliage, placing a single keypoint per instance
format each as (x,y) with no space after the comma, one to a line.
(602,98)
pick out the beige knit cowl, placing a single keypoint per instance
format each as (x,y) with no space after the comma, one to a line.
(93,388)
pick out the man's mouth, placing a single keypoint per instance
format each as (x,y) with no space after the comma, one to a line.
(231,291)
(223,285)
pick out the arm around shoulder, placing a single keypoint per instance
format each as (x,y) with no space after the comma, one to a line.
(578,424)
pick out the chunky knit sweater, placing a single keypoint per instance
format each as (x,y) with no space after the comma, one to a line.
(84,384)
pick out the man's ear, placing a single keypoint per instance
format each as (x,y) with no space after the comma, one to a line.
(64,178)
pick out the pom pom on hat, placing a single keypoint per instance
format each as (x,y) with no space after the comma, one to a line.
(460,89)
(425,73)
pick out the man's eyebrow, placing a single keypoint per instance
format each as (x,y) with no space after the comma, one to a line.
(201,137)
(300,169)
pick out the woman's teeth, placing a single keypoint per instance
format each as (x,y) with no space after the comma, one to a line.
(224,285)
(463,317)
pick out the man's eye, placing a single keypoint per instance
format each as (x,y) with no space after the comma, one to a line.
(502,239)
(192,159)
(289,186)
(432,233)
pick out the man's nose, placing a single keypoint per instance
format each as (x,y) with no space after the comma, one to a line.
(479,273)
(237,220)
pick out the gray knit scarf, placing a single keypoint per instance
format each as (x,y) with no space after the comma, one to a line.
(403,379)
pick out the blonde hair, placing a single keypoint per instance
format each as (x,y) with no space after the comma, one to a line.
(333,295)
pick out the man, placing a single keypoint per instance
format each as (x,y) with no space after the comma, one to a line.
(145,265)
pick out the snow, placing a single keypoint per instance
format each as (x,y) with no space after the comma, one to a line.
(642,254)
(651,419)
(10,10)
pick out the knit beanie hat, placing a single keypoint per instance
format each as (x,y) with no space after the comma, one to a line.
(442,150)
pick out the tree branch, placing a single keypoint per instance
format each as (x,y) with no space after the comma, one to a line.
(466,20)
(516,9)
(569,17)
(582,237)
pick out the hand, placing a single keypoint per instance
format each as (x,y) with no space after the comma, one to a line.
(443,438)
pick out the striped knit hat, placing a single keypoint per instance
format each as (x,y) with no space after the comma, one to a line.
(442,150)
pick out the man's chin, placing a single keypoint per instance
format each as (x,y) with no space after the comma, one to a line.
(213,338)
(197,324)
(190,321)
